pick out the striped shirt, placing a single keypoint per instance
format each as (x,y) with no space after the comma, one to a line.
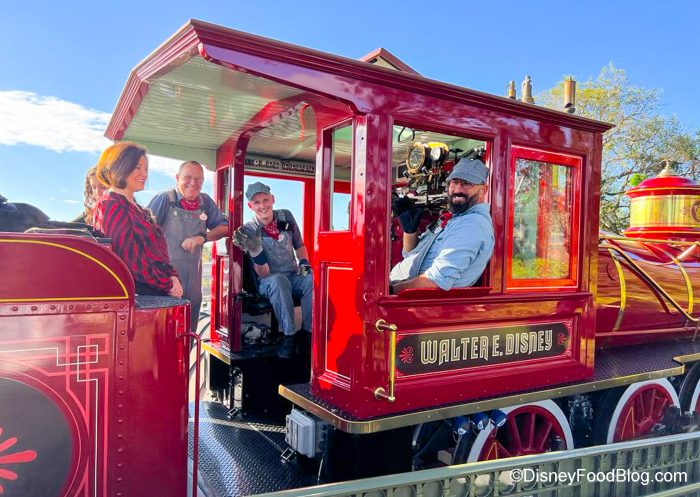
(136,239)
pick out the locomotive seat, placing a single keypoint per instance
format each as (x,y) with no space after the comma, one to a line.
(254,303)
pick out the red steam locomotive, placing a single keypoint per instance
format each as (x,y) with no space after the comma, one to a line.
(569,338)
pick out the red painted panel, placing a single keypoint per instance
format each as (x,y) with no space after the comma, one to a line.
(148,445)
(98,373)
(341,327)
(63,358)
(29,267)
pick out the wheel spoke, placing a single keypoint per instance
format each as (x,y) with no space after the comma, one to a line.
(516,443)
(654,401)
(530,429)
(663,403)
(543,435)
(639,406)
(502,451)
(490,450)
(627,423)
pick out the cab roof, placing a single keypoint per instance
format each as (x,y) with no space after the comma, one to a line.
(208,83)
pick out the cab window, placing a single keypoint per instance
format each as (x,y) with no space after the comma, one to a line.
(341,176)
(421,161)
(543,220)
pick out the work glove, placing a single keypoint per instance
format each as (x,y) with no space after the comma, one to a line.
(304,268)
(409,215)
(247,243)
(401,204)
(410,219)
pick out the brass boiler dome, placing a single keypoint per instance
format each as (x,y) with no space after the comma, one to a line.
(665,207)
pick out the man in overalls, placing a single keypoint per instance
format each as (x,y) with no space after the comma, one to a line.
(189,219)
(272,239)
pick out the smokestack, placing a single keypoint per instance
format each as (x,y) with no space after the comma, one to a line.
(570,95)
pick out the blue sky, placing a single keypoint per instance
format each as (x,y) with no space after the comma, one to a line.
(64,64)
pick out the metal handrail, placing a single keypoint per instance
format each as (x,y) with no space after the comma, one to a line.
(648,279)
(380,393)
(195,431)
(651,240)
(674,453)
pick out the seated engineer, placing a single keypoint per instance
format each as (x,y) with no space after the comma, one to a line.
(455,252)
(272,239)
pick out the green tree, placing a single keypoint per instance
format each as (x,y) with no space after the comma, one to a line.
(641,139)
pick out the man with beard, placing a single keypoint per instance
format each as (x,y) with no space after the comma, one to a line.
(455,252)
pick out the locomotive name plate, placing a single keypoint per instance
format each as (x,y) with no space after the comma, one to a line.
(276,165)
(445,351)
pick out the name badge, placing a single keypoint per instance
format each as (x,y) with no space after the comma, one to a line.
(203,216)
(281,237)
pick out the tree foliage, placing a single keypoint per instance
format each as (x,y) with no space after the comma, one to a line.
(635,148)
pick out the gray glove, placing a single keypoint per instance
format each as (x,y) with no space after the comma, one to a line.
(247,243)
(304,268)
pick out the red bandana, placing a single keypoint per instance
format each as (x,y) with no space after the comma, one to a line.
(272,230)
(189,205)
(446,216)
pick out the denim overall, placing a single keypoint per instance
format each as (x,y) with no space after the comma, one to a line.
(284,283)
(181,224)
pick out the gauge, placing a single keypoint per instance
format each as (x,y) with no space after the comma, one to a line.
(416,157)
(438,152)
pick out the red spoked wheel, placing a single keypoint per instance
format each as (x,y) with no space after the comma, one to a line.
(529,429)
(640,407)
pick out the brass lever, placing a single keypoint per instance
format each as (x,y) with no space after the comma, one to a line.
(382,326)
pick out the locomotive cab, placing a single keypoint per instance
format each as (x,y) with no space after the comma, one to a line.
(396,380)
(377,353)
(528,309)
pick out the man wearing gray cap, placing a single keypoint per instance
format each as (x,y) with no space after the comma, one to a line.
(272,239)
(455,253)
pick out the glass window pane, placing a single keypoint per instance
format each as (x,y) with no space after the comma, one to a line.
(341,212)
(341,177)
(543,208)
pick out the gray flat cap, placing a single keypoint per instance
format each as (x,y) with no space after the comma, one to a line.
(255,188)
(470,170)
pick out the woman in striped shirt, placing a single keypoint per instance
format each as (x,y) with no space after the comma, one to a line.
(136,238)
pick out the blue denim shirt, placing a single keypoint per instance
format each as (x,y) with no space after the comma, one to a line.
(454,256)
